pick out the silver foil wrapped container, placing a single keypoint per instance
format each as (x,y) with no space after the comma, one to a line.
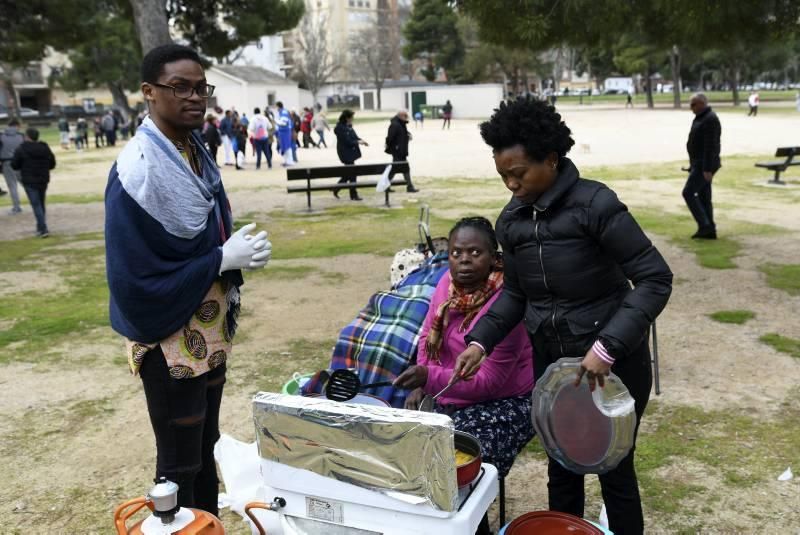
(405,454)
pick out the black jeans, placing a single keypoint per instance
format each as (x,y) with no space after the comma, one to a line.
(349,179)
(406,175)
(185,418)
(262,146)
(619,486)
(697,194)
(36,196)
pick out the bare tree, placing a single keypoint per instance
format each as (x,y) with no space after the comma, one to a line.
(151,23)
(316,64)
(371,55)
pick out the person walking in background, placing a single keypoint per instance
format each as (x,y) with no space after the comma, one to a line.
(240,137)
(447,114)
(320,124)
(629,100)
(285,129)
(10,140)
(348,150)
(397,139)
(99,137)
(109,125)
(703,147)
(419,118)
(296,120)
(81,134)
(212,136)
(753,100)
(34,160)
(63,132)
(305,127)
(226,129)
(259,130)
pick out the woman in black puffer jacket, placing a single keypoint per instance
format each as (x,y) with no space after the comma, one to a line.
(572,251)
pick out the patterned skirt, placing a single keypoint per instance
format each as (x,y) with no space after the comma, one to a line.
(503,427)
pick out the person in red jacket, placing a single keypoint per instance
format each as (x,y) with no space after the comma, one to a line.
(305,128)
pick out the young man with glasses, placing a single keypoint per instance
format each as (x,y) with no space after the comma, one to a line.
(174,266)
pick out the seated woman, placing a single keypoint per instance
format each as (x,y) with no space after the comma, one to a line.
(495,404)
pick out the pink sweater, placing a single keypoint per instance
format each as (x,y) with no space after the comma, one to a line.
(506,373)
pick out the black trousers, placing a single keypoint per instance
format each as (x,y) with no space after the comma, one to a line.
(619,486)
(406,175)
(184,414)
(697,194)
(348,179)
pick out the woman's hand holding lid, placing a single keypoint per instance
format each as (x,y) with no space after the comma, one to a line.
(595,368)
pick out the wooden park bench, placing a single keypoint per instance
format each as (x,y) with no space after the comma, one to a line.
(788,153)
(305,179)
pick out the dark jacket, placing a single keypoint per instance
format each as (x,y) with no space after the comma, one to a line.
(33,160)
(703,144)
(347,143)
(568,259)
(397,139)
(212,135)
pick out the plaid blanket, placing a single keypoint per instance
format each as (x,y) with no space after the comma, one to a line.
(382,341)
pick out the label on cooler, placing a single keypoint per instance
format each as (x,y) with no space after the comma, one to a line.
(324,509)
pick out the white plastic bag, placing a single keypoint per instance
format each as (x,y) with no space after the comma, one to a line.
(384,182)
(240,158)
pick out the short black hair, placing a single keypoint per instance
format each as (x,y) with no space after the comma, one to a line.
(13,122)
(32,133)
(279,104)
(256,111)
(481,224)
(346,114)
(154,61)
(529,122)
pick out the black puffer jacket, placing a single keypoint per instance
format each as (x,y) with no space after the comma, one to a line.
(703,144)
(397,139)
(347,143)
(34,160)
(568,259)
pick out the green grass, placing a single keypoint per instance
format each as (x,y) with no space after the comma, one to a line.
(784,277)
(342,230)
(741,451)
(737,317)
(783,344)
(738,172)
(38,320)
(716,97)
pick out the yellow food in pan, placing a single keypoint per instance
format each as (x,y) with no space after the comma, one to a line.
(463,458)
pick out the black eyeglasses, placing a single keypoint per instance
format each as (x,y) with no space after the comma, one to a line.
(186,91)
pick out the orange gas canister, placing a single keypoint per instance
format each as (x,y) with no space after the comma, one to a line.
(167,517)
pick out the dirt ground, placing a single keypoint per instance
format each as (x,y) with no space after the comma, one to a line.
(87,440)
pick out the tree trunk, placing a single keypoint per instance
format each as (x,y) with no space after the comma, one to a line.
(378,87)
(675,65)
(650,87)
(120,99)
(11,93)
(735,74)
(151,23)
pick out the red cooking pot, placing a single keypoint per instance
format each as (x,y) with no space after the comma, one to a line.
(467,472)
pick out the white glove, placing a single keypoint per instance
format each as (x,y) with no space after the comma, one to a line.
(243,250)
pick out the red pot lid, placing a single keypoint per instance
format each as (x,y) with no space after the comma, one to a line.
(550,523)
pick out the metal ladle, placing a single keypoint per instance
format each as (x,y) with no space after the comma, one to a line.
(429,402)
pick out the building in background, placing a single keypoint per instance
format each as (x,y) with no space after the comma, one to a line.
(245,87)
(474,101)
